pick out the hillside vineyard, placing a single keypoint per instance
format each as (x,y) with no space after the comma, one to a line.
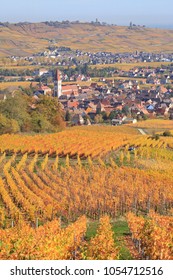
(53,186)
(25,37)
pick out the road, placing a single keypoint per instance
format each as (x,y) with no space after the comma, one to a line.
(141,131)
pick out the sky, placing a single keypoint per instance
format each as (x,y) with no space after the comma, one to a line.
(120,12)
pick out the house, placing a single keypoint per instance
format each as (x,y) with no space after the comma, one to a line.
(106,102)
(109,109)
(116,121)
(129,120)
(29,78)
(77,119)
(72,104)
(91,106)
(162,109)
(70,90)
(150,108)
(45,90)
(41,72)
(100,108)
(93,85)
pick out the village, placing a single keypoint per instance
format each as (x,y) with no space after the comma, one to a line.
(123,97)
(65,56)
(115,101)
(120,101)
(92,94)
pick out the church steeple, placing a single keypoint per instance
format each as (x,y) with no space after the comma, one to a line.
(58,84)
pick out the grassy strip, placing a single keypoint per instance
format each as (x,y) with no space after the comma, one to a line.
(91,229)
(120,229)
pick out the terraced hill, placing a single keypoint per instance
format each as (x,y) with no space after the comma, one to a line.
(28,38)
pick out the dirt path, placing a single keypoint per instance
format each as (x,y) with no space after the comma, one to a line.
(141,131)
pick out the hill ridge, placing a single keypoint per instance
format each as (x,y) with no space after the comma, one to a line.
(24,38)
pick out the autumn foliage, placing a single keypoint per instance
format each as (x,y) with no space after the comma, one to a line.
(102,247)
(51,186)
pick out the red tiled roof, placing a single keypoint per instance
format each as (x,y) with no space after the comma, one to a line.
(69,89)
(72,104)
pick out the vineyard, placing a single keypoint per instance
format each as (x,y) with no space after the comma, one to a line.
(53,187)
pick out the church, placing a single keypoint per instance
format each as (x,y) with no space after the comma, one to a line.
(64,90)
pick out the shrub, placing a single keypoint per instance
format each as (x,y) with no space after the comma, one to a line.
(167,133)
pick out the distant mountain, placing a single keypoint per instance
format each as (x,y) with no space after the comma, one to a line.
(28,38)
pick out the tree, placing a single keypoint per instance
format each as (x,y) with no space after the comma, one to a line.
(115,114)
(87,119)
(8,126)
(67,116)
(145,117)
(126,110)
(167,133)
(98,118)
(51,110)
(23,113)
(104,116)
(16,108)
(40,124)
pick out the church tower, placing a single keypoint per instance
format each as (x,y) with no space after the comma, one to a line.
(58,84)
